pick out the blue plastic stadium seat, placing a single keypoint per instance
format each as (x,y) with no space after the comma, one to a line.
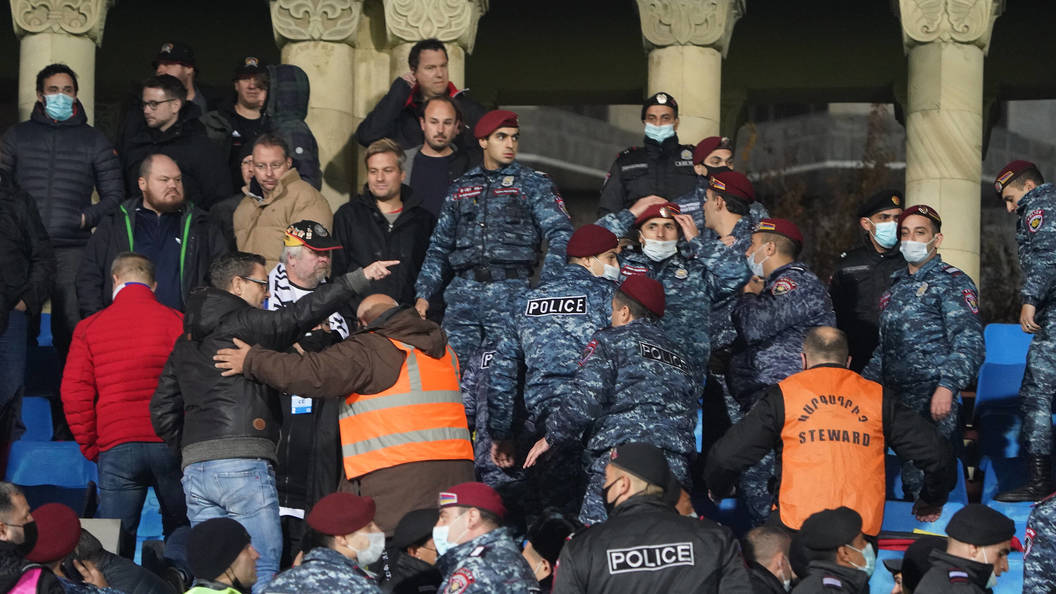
(898,517)
(36,416)
(728,512)
(998,387)
(1006,344)
(44,338)
(57,463)
(882,580)
(894,481)
(1011,582)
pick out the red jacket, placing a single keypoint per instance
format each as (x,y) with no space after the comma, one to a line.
(112,370)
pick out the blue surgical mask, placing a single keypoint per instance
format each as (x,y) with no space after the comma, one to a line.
(58,106)
(659,133)
(870,559)
(886,234)
(440,537)
(915,251)
(658,251)
(756,267)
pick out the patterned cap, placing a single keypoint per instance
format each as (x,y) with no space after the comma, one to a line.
(310,234)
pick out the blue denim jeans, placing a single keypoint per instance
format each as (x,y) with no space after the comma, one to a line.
(125,473)
(12,374)
(242,489)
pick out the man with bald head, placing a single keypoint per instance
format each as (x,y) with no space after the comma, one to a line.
(404,435)
(159,224)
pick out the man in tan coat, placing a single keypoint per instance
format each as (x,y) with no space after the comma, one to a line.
(275,198)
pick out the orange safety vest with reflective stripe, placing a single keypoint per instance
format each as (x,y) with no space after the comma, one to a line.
(833,447)
(418,418)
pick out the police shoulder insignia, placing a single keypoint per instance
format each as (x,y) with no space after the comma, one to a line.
(687,154)
(588,351)
(884,299)
(631,270)
(478,552)
(507,181)
(923,288)
(1035,219)
(459,581)
(782,286)
(951,270)
(957,576)
(831,582)
(1030,541)
(971,300)
(681,274)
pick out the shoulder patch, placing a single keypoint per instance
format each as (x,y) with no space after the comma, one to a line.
(655,353)
(782,286)
(1035,220)
(631,270)
(478,552)
(588,351)
(459,581)
(884,300)
(573,305)
(831,582)
(951,270)
(971,300)
(957,576)
(1030,541)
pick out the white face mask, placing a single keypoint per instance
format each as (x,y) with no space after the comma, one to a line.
(372,553)
(756,267)
(991,582)
(915,251)
(658,251)
(610,272)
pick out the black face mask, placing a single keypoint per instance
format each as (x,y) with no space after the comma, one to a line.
(609,505)
(29,531)
(717,170)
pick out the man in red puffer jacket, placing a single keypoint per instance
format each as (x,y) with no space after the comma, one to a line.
(112,371)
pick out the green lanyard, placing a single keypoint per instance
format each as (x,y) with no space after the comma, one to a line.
(183,240)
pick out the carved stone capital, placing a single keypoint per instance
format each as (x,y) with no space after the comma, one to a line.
(957,21)
(408,21)
(706,23)
(79,18)
(315,20)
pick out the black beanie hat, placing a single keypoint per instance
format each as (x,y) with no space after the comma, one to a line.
(214,545)
(548,536)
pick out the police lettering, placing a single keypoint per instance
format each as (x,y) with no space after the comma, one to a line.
(651,351)
(557,306)
(832,400)
(841,435)
(650,558)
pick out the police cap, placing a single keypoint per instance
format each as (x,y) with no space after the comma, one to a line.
(1010,172)
(783,227)
(830,529)
(643,460)
(915,561)
(709,145)
(979,525)
(415,527)
(650,293)
(213,546)
(591,240)
(548,536)
(660,98)
(339,514)
(476,495)
(493,120)
(923,210)
(882,200)
(732,184)
(664,210)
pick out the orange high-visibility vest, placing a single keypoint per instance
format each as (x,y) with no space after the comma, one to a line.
(418,418)
(833,447)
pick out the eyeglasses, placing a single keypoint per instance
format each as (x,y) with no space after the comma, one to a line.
(152,105)
(262,283)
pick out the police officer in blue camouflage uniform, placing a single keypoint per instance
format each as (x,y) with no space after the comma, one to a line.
(346,540)
(1039,559)
(930,339)
(660,167)
(1026,194)
(772,315)
(633,384)
(712,156)
(553,323)
(489,235)
(477,555)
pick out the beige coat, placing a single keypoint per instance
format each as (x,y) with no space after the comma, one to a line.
(260,224)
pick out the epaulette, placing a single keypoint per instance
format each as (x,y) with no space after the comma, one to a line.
(951,270)
(798,268)
(832,582)
(629,150)
(479,551)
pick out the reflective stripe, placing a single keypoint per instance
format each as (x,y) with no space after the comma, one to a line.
(414,376)
(395,400)
(395,439)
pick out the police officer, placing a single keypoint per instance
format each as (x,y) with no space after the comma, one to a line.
(1039,559)
(783,300)
(691,284)
(552,323)
(976,554)
(1026,194)
(489,234)
(930,338)
(840,559)
(633,384)
(645,545)
(477,555)
(712,156)
(836,431)
(864,273)
(660,167)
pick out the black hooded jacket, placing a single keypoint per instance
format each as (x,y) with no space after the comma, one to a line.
(26,256)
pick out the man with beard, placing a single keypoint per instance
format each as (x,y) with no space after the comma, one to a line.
(18,535)
(433,165)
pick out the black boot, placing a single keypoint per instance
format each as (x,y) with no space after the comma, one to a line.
(1038,486)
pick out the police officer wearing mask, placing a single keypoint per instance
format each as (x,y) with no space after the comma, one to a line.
(1039,560)
(1025,194)
(645,545)
(661,167)
(864,273)
(840,559)
(976,554)
(930,336)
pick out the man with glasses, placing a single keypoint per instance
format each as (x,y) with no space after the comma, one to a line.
(170,126)
(275,198)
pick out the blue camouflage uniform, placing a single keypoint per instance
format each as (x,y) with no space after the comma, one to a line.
(488,564)
(929,336)
(1036,237)
(323,570)
(1039,559)
(691,285)
(770,328)
(633,384)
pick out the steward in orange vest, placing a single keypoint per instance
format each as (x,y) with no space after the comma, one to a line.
(831,429)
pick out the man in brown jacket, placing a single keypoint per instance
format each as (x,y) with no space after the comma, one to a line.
(404,435)
(275,198)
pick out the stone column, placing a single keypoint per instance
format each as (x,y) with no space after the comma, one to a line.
(66,31)
(317,36)
(686,41)
(946,41)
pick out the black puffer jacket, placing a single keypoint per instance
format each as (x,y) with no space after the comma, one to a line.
(27,260)
(206,416)
(59,163)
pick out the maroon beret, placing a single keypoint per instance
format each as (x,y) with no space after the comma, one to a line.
(666,210)
(339,514)
(58,530)
(591,240)
(1010,172)
(708,145)
(781,227)
(647,291)
(476,495)
(733,183)
(923,210)
(493,120)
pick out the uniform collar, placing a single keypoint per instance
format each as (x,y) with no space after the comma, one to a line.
(328,555)
(776,274)
(978,573)
(828,569)
(1032,196)
(449,560)
(927,267)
